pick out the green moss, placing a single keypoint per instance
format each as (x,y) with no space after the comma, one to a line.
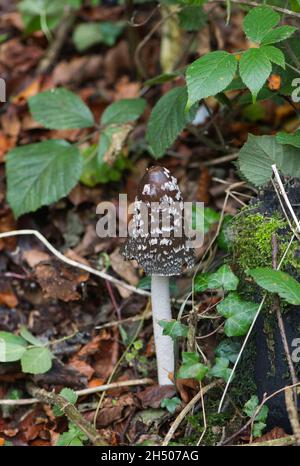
(251,246)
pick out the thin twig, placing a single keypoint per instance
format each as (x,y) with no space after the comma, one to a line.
(83,392)
(250,3)
(61,34)
(72,262)
(185,411)
(70,411)
(285,197)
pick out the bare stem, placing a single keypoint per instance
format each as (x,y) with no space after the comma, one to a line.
(161,310)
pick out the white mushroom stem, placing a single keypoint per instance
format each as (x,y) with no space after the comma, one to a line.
(161,310)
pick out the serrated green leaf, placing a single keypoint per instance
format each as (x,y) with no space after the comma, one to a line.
(86,35)
(74,437)
(12,347)
(274,54)
(258,428)
(123,111)
(191,367)
(40,174)
(29,337)
(167,120)
(255,68)
(258,155)
(174,328)
(220,369)
(60,109)
(210,75)
(289,139)
(36,360)
(279,34)
(238,313)
(259,21)
(228,349)
(276,281)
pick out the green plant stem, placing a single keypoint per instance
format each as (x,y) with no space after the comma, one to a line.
(70,411)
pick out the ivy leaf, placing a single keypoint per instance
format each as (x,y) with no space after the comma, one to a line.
(274,54)
(60,109)
(259,21)
(170,404)
(224,239)
(174,328)
(255,67)
(258,155)
(201,282)
(123,111)
(221,370)
(210,75)
(228,349)
(276,281)
(191,367)
(168,118)
(239,314)
(40,174)
(36,360)
(251,406)
(279,34)
(290,139)
(223,278)
(12,347)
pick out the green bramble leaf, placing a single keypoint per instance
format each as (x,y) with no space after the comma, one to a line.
(123,111)
(168,118)
(40,174)
(60,109)
(259,22)
(255,68)
(209,75)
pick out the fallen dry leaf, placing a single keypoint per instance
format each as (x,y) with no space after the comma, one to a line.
(7,296)
(82,367)
(152,396)
(34,256)
(59,281)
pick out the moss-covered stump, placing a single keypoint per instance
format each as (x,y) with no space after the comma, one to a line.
(264,368)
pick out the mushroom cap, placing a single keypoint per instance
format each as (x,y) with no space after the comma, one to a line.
(158,219)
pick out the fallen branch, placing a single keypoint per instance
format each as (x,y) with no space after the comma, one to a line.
(70,411)
(277,442)
(83,392)
(72,262)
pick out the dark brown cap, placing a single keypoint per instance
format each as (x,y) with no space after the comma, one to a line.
(157,240)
